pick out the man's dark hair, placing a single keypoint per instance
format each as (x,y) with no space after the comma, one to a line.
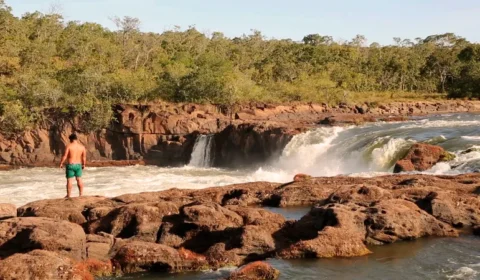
(73,137)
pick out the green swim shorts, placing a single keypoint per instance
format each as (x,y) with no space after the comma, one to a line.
(73,170)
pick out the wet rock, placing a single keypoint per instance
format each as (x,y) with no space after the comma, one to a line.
(40,264)
(470,150)
(255,271)
(421,157)
(476,230)
(20,235)
(326,232)
(7,211)
(138,256)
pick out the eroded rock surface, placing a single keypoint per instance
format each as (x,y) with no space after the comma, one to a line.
(41,264)
(20,235)
(7,211)
(187,230)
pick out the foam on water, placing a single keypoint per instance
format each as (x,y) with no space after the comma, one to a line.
(366,151)
(464,273)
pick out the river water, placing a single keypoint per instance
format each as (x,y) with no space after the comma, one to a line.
(440,258)
(367,150)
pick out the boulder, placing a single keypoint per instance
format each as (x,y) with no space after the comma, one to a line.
(39,265)
(335,230)
(63,209)
(138,256)
(255,271)
(421,157)
(211,216)
(396,219)
(98,246)
(140,221)
(7,211)
(20,235)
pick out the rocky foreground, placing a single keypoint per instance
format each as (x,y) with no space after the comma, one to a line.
(192,230)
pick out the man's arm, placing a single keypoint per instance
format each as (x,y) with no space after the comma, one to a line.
(65,156)
(84,158)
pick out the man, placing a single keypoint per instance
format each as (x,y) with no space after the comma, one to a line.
(76,158)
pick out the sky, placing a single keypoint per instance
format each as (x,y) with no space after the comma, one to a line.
(378,20)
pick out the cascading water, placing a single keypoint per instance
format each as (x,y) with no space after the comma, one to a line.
(202,152)
(366,150)
(373,149)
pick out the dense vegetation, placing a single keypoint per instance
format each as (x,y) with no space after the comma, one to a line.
(84,68)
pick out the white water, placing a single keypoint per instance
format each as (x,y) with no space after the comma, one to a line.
(367,150)
(202,152)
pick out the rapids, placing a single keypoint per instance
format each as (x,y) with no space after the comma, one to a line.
(366,150)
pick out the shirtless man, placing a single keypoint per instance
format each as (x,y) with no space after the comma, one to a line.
(76,158)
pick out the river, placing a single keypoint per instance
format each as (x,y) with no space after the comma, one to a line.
(366,150)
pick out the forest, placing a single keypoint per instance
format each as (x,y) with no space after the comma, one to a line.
(83,68)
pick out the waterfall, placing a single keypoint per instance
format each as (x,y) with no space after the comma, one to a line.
(202,152)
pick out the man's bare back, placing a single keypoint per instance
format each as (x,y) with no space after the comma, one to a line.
(75,153)
(76,158)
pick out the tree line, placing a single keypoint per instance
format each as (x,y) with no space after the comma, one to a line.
(84,68)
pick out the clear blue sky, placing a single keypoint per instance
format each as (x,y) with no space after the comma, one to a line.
(378,20)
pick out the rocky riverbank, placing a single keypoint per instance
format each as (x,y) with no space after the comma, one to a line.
(164,134)
(190,230)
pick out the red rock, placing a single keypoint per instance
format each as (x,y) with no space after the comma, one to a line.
(301,177)
(39,265)
(138,256)
(420,157)
(18,235)
(138,221)
(63,209)
(7,211)
(255,271)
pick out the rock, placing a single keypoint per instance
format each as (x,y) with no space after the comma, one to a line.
(397,219)
(211,216)
(98,246)
(327,232)
(476,230)
(7,211)
(20,235)
(63,209)
(421,157)
(218,256)
(138,256)
(39,265)
(138,221)
(255,271)
(362,109)
(470,150)
(301,177)
(96,267)
(447,207)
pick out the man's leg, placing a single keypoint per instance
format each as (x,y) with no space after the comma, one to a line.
(80,186)
(69,187)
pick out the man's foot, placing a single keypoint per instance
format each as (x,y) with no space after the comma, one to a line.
(67,196)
